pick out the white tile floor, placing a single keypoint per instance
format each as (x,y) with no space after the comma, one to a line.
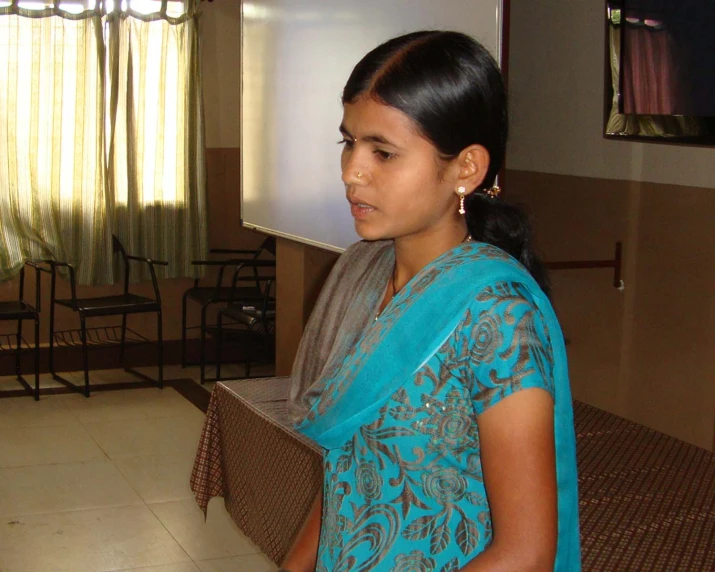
(99,484)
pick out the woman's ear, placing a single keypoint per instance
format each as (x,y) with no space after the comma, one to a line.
(473,164)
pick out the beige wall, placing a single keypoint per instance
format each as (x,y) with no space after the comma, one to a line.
(644,353)
(221,58)
(556,59)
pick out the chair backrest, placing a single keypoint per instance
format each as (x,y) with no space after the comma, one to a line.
(21,292)
(270,245)
(118,248)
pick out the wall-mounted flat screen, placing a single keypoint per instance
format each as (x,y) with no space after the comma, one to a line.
(661,79)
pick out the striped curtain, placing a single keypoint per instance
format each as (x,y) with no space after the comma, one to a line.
(54,200)
(103,121)
(156,154)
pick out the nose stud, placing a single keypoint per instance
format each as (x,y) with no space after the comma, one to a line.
(359,175)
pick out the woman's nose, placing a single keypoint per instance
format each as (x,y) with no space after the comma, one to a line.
(353,172)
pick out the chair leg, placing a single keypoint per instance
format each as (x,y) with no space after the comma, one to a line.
(124,337)
(85,360)
(219,345)
(37,358)
(183,331)
(18,353)
(202,358)
(52,340)
(160,345)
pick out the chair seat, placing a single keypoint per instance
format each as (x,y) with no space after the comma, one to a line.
(16,310)
(208,294)
(112,305)
(251,316)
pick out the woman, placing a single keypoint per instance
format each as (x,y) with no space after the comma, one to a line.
(433,371)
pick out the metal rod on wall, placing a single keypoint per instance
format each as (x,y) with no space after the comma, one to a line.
(615,263)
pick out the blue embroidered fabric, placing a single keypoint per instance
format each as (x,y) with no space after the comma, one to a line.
(403,488)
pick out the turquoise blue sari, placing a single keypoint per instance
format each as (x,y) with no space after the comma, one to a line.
(403,486)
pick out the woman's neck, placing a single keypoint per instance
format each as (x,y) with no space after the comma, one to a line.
(413,253)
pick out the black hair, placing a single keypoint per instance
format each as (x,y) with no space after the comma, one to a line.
(452,89)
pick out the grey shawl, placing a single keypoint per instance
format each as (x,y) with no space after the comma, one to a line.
(347,304)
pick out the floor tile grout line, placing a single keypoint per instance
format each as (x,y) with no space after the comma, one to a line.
(169,531)
(15,516)
(95,441)
(256,550)
(118,468)
(190,559)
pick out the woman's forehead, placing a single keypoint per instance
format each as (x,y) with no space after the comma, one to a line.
(367,117)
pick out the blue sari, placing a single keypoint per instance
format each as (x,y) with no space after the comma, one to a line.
(403,485)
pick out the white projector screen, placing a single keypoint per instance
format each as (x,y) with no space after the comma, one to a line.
(296,57)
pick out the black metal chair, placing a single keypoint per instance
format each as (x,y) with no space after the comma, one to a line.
(20,310)
(242,289)
(120,304)
(251,327)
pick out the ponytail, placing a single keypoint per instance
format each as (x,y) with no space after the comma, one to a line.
(505,226)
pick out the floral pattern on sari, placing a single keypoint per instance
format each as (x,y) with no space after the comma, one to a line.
(406,491)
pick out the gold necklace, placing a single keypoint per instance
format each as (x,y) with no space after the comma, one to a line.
(466,239)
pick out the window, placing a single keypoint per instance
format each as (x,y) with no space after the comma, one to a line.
(100,113)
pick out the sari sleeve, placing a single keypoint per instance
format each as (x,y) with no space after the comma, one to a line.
(507,345)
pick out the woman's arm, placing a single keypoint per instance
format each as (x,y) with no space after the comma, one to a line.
(519,466)
(303,555)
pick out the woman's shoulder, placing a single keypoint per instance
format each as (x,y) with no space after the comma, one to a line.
(362,258)
(492,268)
(488,253)
(361,264)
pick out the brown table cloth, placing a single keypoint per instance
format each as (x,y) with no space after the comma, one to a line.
(267,474)
(647,500)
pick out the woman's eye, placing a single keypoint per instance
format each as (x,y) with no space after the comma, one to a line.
(385,155)
(348,143)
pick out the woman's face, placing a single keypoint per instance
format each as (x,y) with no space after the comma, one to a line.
(395,181)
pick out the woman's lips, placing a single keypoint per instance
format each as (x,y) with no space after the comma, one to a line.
(361,210)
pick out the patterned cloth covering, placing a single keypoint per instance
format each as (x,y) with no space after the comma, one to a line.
(268,474)
(647,500)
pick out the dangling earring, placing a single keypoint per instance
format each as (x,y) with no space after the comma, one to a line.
(461,191)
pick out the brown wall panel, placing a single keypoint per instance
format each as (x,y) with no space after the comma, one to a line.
(578,218)
(674,322)
(302,270)
(290,297)
(644,353)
